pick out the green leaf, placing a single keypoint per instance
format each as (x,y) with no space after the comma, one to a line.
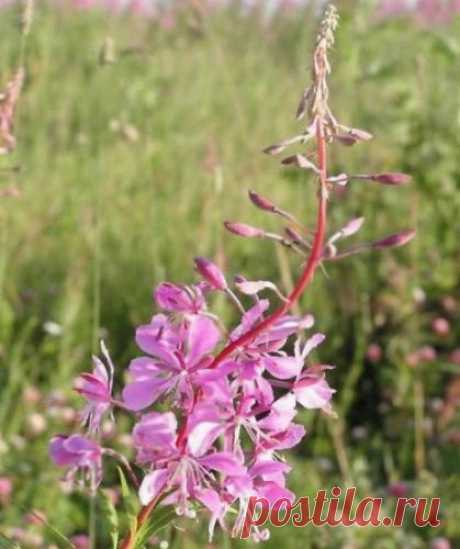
(125,492)
(111,515)
(162,517)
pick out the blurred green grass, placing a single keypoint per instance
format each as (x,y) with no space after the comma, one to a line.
(128,169)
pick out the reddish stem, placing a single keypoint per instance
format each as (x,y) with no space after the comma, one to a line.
(307,275)
(314,260)
(144,513)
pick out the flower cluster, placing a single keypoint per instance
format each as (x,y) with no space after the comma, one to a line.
(229,397)
(235,418)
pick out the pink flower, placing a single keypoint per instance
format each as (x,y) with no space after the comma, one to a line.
(182,472)
(77,452)
(175,361)
(181,299)
(211,273)
(96,388)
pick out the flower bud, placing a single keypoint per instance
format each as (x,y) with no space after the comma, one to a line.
(360,135)
(352,226)
(274,149)
(391,178)
(211,273)
(246,231)
(261,202)
(300,161)
(293,235)
(345,139)
(395,240)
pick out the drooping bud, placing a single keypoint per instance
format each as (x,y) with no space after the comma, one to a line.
(211,273)
(345,139)
(293,235)
(386,178)
(261,202)
(300,161)
(352,226)
(274,149)
(250,287)
(360,135)
(395,240)
(352,136)
(246,231)
(392,178)
(279,147)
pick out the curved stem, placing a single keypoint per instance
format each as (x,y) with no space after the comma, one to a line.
(144,513)
(310,268)
(306,277)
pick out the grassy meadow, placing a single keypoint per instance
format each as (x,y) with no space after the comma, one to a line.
(125,170)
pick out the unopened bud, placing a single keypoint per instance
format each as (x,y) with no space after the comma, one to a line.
(261,202)
(395,240)
(300,161)
(274,149)
(360,135)
(293,235)
(279,147)
(345,139)
(211,273)
(391,178)
(352,136)
(246,231)
(352,226)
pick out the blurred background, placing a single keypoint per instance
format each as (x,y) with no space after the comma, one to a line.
(139,130)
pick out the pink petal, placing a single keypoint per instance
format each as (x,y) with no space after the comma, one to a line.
(58,453)
(152,485)
(203,436)
(281,415)
(313,393)
(266,469)
(250,317)
(143,393)
(282,367)
(203,336)
(311,343)
(148,341)
(223,462)
(274,492)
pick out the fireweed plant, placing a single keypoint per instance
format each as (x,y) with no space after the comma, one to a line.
(220,441)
